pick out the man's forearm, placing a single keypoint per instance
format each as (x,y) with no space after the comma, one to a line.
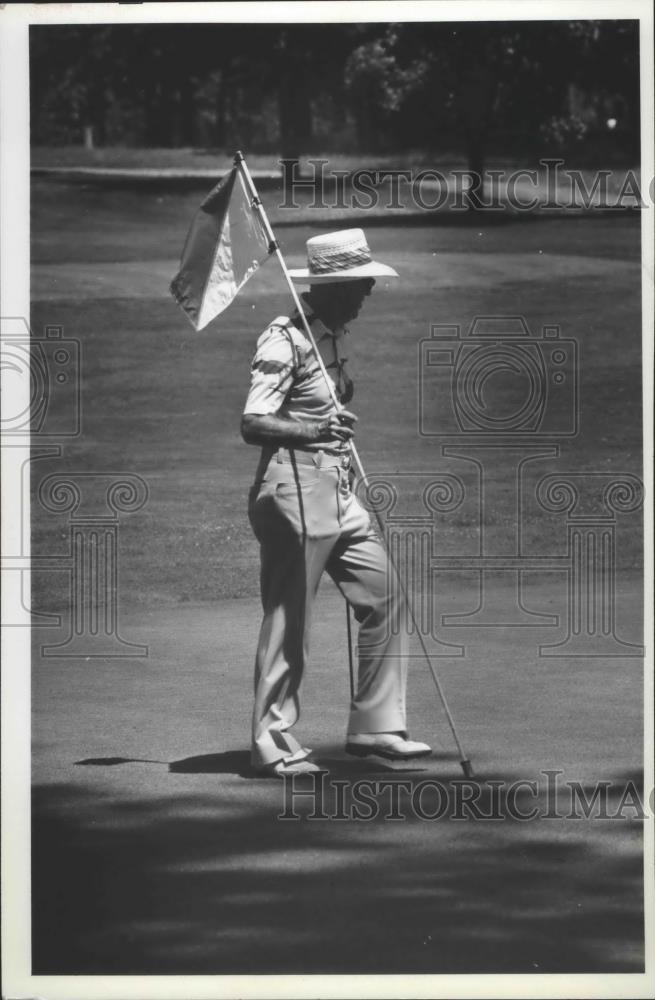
(270,429)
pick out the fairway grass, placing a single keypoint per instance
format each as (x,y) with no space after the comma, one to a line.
(156,849)
(164,402)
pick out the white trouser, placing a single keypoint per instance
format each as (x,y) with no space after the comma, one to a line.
(307,520)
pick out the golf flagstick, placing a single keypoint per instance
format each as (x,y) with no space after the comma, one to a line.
(349,633)
(240,163)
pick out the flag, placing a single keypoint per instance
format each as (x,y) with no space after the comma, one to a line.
(226,244)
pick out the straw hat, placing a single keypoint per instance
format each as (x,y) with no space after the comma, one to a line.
(341,256)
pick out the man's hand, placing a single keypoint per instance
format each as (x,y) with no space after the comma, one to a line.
(339,425)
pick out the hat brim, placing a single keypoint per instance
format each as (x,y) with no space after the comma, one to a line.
(374,269)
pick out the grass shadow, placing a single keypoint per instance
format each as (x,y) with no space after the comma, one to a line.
(220,884)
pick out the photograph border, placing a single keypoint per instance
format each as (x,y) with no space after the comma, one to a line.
(14,284)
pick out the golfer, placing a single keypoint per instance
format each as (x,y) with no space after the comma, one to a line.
(307,520)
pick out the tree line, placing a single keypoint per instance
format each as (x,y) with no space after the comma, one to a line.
(292,89)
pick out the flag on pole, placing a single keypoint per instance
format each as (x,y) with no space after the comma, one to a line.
(225,246)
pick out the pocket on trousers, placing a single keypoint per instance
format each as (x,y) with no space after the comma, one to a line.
(309,506)
(300,489)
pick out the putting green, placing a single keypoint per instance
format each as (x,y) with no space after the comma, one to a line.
(53,282)
(155,850)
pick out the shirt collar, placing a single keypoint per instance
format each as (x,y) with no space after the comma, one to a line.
(318,326)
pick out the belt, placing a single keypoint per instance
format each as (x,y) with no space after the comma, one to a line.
(320,459)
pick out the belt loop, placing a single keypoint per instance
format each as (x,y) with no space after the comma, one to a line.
(278,456)
(318,459)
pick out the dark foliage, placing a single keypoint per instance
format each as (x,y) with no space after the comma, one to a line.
(473,88)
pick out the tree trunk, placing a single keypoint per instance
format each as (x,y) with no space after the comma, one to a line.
(222,103)
(478,93)
(475,165)
(295,118)
(150,114)
(187,110)
(478,98)
(294,101)
(97,113)
(165,114)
